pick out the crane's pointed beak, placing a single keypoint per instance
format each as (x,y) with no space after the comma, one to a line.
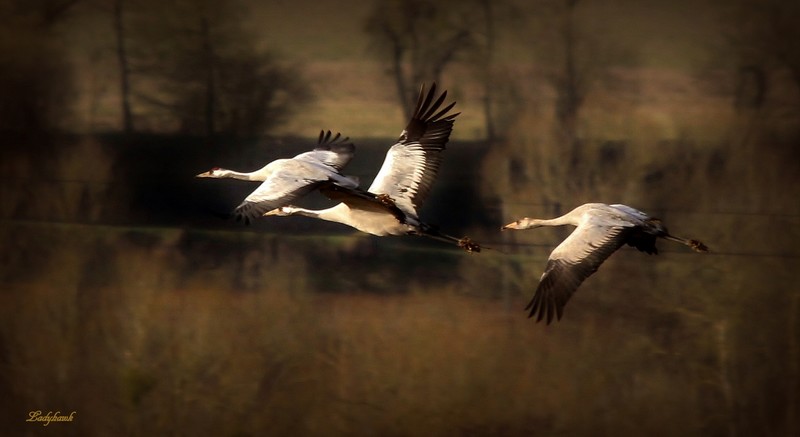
(512,225)
(205,174)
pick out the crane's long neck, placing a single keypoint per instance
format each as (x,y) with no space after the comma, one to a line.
(250,176)
(527,223)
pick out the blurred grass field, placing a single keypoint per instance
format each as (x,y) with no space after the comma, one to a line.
(154,330)
(142,334)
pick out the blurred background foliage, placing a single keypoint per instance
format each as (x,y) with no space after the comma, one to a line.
(129,299)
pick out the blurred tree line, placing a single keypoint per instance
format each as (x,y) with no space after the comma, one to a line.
(419,39)
(189,66)
(184,66)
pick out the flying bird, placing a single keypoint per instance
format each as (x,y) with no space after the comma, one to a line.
(600,230)
(390,205)
(285,180)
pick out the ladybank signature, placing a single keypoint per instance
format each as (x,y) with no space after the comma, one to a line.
(36,416)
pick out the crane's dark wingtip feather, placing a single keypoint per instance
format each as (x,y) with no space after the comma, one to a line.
(530,305)
(433,107)
(420,100)
(423,104)
(444,111)
(335,143)
(545,305)
(243,219)
(247,213)
(536,307)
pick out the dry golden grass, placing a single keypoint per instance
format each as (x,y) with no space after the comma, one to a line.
(136,343)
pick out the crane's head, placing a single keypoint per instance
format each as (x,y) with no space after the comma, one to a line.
(215,172)
(523,223)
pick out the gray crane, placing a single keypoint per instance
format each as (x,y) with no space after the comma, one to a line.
(390,205)
(285,180)
(600,230)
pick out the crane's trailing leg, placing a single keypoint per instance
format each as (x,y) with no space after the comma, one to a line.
(432,232)
(696,245)
(662,232)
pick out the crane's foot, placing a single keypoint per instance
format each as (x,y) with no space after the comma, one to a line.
(391,206)
(469,245)
(698,246)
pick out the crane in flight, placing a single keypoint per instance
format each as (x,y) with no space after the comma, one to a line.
(390,205)
(600,230)
(285,180)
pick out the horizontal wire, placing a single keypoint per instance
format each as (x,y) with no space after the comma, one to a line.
(504,206)
(489,244)
(661,210)
(489,206)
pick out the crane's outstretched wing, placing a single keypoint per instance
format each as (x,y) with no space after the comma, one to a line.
(278,190)
(574,260)
(333,151)
(412,163)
